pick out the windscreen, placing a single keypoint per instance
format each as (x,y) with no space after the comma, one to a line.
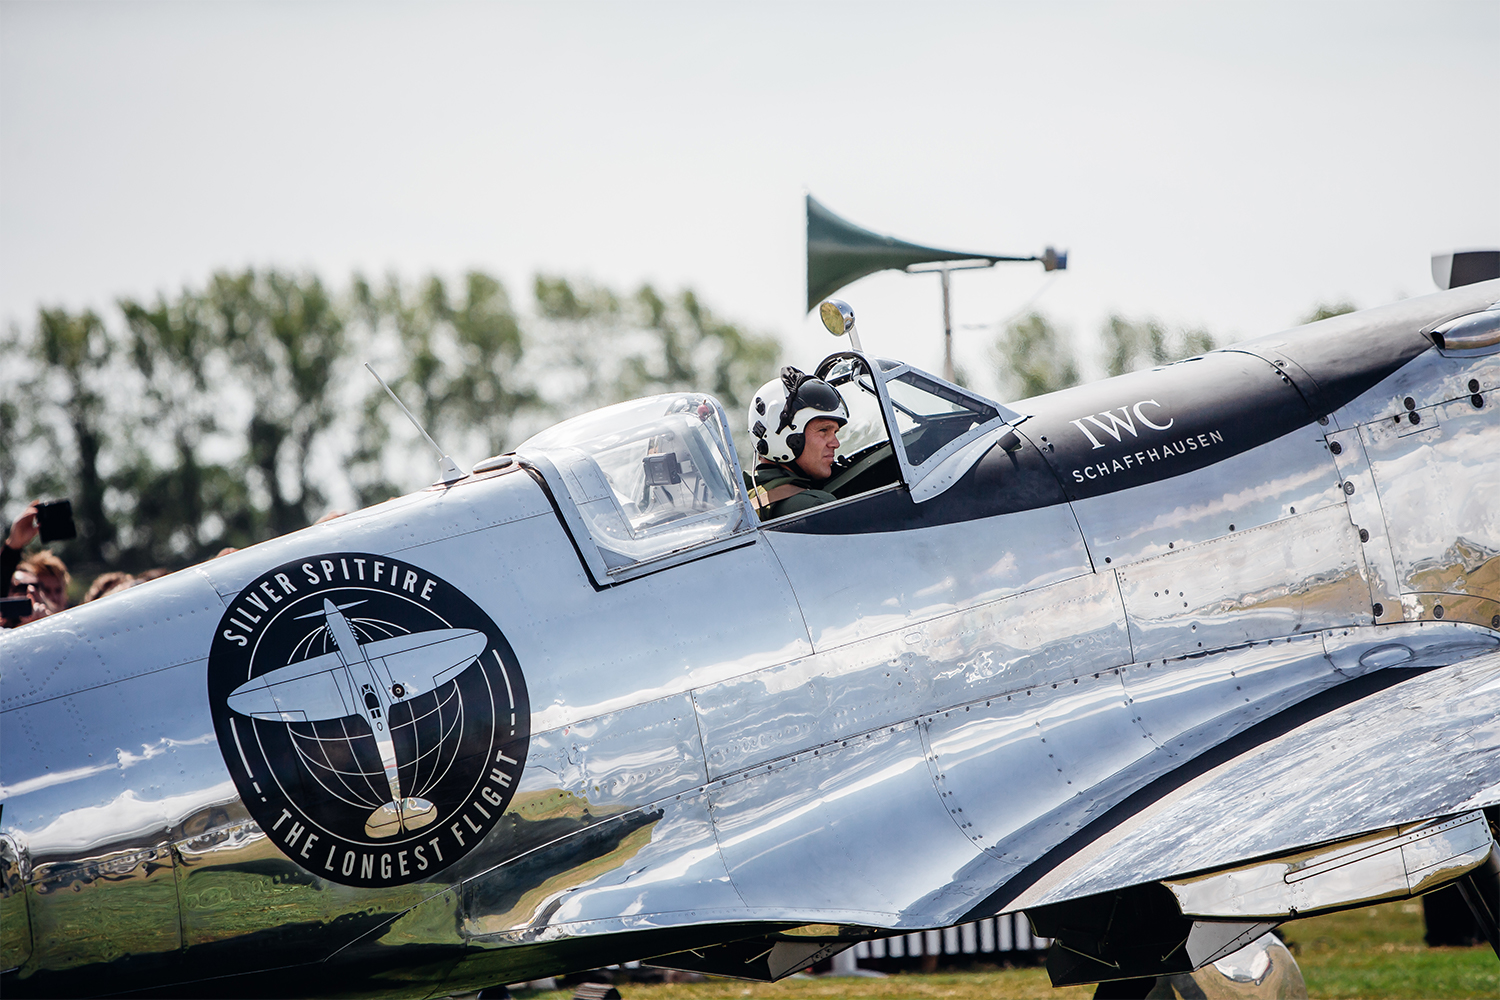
(929,414)
(866,426)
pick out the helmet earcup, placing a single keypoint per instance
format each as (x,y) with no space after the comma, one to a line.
(796,442)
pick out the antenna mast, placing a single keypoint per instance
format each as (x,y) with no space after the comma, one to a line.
(448,470)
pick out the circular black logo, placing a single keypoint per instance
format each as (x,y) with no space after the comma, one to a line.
(374,718)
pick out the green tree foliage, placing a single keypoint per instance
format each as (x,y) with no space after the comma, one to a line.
(180,504)
(10,428)
(1327,310)
(230,413)
(283,337)
(585,328)
(64,409)
(1033,357)
(693,349)
(13,381)
(1131,345)
(456,365)
(625,348)
(244,364)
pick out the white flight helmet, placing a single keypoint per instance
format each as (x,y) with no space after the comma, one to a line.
(782,409)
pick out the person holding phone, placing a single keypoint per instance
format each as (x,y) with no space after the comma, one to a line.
(52,578)
(25,585)
(46,576)
(22,531)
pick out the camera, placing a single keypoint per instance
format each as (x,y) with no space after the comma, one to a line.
(13,609)
(54,521)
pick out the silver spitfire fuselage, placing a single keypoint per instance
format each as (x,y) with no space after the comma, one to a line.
(1065,649)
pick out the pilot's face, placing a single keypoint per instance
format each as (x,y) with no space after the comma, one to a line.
(822,442)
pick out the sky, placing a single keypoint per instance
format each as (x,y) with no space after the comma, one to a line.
(1225,166)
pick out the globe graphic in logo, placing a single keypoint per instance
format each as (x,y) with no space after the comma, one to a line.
(373,717)
(344,754)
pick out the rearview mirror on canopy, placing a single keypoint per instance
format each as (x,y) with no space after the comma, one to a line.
(838,317)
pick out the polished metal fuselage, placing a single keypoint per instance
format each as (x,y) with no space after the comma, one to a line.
(883,729)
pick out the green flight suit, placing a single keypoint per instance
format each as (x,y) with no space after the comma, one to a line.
(784,489)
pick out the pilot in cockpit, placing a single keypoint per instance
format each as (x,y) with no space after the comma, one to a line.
(795,420)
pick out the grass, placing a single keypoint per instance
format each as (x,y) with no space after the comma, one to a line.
(1370,953)
(1378,952)
(981,984)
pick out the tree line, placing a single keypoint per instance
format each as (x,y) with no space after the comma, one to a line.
(235,411)
(232,412)
(1032,356)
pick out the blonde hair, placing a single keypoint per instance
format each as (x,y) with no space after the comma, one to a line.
(46,563)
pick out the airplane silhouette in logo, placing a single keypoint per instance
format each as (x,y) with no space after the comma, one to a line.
(364,679)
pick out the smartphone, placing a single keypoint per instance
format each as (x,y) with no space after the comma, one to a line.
(14,608)
(54,520)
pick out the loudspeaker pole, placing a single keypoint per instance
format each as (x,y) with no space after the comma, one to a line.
(947,328)
(944,270)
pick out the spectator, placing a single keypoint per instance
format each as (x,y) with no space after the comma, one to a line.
(21,533)
(52,577)
(107,583)
(23,583)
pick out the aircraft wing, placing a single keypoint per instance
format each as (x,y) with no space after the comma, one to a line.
(1427,747)
(423,660)
(311,690)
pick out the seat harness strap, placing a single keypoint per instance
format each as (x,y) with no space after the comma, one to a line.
(775,491)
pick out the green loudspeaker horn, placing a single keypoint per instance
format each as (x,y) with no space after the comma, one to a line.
(839,252)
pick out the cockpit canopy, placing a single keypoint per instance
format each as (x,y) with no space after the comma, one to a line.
(647,483)
(646,478)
